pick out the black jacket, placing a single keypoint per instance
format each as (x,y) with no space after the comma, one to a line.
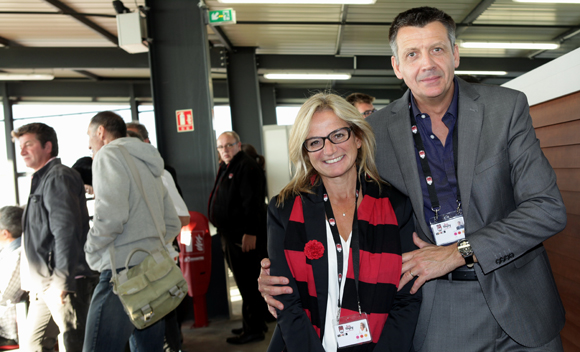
(55,224)
(237,201)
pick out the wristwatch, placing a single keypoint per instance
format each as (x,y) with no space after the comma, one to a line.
(466,252)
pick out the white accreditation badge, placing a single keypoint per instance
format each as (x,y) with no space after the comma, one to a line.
(448,228)
(352,330)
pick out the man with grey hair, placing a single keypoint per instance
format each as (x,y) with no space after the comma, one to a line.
(237,209)
(468,158)
(10,291)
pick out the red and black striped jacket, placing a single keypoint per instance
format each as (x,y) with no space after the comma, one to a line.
(385,231)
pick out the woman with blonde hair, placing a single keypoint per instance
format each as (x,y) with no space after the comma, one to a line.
(338,231)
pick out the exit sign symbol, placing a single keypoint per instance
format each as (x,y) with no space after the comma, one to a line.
(222,17)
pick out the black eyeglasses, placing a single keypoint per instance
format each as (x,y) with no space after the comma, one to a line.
(338,136)
(226,146)
(368,112)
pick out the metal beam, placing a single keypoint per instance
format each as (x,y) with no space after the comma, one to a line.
(560,39)
(82,19)
(299,95)
(388,24)
(327,62)
(89,75)
(93,58)
(72,58)
(223,38)
(71,88)
(7,42)
(60,13)
(473,15)
(340,36)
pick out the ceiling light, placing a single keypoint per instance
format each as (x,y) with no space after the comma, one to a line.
(319,76)
(304,2)
(481,73)
(551,1)
(25,77)
(510,45)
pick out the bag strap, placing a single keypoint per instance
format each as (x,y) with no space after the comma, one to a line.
(137,178)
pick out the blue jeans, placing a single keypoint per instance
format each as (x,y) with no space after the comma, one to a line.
(109,328)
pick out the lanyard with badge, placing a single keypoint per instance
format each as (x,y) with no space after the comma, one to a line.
(350,329)
(449,227)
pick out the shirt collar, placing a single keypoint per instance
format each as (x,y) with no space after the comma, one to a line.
(453,107)
(44,168)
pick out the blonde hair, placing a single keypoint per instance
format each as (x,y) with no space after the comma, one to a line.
(365,161)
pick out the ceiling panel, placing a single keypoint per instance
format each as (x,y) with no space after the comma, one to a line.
(269,28)
(510,12)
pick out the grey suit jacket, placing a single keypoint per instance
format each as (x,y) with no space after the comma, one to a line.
(511,204)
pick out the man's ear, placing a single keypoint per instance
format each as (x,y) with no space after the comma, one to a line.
(4,235)
(48,147)
(396,67)
(101,132)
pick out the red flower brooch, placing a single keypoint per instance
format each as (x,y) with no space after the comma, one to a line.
(313,249)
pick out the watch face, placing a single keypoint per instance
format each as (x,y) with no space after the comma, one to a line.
(465,249)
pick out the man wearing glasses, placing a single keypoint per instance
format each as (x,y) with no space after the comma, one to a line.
(363,103)
(238,211)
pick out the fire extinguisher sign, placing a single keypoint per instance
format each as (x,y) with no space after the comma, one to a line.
(184,120)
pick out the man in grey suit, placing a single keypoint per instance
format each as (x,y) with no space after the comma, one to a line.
(467,154)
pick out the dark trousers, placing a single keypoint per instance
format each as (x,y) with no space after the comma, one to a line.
(44,320)
(246,269)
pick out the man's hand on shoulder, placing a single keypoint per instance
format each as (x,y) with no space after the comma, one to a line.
(267,285)
(428,262)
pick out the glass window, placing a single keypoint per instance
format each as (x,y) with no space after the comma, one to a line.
(147,118)
(222,119)
(285,115)
(8,194)
(70,122)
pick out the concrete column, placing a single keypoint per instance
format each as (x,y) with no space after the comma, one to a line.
(268,100)
(244,94)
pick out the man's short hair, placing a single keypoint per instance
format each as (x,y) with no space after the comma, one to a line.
(11,220)
(234,135)
(360,98)
(141,129)
(44,133)
(420,17)
(111,122)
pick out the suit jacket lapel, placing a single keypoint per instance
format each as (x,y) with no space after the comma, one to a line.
(470,120)
(315,223)
(399,126)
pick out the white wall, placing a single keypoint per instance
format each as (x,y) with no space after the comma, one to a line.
(557,78)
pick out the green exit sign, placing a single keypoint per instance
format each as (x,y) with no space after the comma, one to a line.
(222,17)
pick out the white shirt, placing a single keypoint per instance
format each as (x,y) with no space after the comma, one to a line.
(178,202)
(329,340)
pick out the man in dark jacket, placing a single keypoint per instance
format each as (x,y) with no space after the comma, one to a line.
(55,226)
(236,208)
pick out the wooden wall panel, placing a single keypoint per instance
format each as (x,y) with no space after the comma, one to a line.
(564,157)
(557,124)
(572,202)
(567,108)
(568,179)
(561,134)
(569,238)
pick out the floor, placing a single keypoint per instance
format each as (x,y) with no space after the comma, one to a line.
(213,337)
